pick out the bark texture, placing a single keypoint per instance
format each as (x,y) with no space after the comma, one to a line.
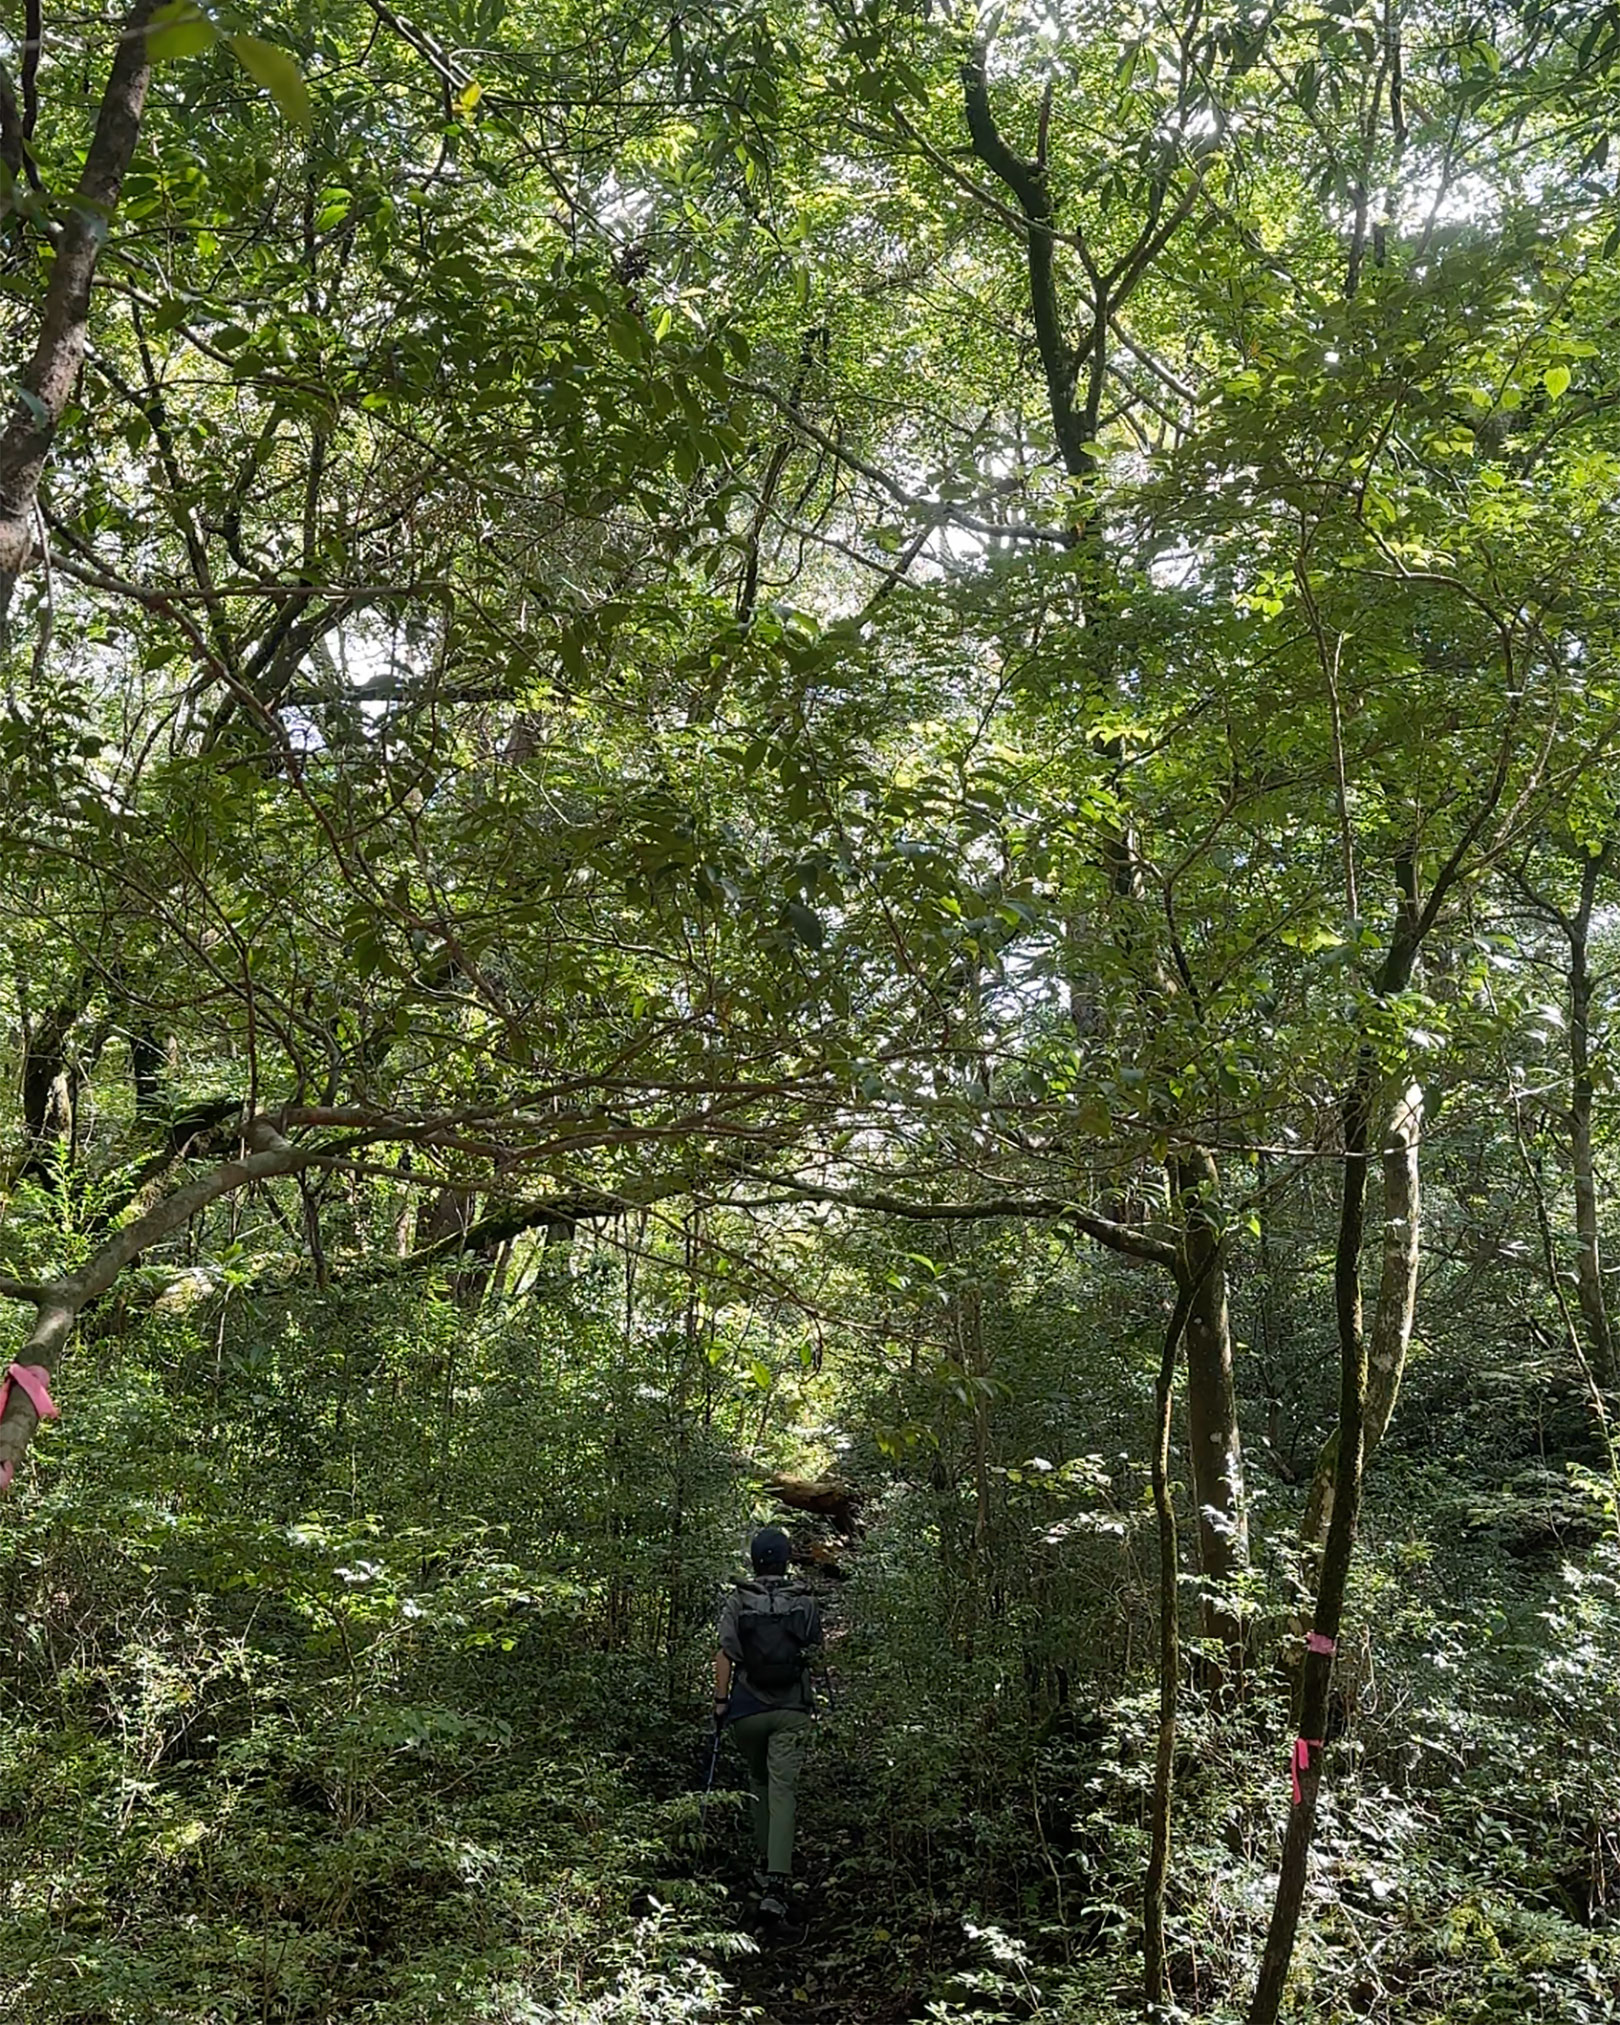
(1214,1445)
(1595,1322)
(47,381)
(1336,1558)
(52,1077)
(1155,1981)
(1396,1308)
(1412,922)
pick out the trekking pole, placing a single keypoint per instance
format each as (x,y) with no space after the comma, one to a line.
(708,1784)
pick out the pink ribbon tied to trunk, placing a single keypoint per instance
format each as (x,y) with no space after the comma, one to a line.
(35,1381)
(1318,1641)
(1301,1762)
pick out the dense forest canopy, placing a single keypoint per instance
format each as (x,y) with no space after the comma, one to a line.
(847,760)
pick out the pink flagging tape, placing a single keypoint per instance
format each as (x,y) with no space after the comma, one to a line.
(1301,1762)
(35,1381)
(1318,1641)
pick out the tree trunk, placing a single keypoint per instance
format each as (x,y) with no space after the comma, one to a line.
(1397,1305)
(1412,922)
(449,1218)
(1589,1252)
(51,1079)
(148,1067)
(1155,1982)
(46,383)
(1214,1445)
(1075,385)
(1336,1558)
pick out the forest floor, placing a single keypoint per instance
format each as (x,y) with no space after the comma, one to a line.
(876,1942)
(841,1972)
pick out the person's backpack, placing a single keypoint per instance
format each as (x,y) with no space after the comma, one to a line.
(773,1643)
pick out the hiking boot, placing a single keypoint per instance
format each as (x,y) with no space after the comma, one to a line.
(784,1928)
(773,1902)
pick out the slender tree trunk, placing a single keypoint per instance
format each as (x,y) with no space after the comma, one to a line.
(1214,1445)
(1341,1539)
(1596,1334)
(1398,1271)
(313,1236)
(1594,1306)
(970,1351)
(1412,922)
(46,383)
(1155,1982)
(1075,385)
(1396,1309)
(148,1066)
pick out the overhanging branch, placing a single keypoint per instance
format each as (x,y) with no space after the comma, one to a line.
(59,1302)
(1117,1237)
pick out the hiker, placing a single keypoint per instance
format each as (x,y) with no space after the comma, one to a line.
(768,1629)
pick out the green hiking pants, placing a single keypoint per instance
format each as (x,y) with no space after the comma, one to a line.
(772,1745)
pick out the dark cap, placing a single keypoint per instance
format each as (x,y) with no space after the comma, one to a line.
(769,1551)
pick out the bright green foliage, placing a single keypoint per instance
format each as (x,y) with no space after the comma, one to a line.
(724,696)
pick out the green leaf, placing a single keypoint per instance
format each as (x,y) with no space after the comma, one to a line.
(805,923)
(278,73)
(1556,380)
(179,29)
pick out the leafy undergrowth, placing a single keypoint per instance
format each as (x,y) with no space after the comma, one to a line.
(306,1772)
(398,1868)
(1422,1904)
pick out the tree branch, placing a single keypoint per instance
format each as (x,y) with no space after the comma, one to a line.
(1028,183)
(1117,1237)
(47,381)
(33,42)
(939,513)
(60,1301)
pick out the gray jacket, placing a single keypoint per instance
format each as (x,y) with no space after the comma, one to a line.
(777,1593)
